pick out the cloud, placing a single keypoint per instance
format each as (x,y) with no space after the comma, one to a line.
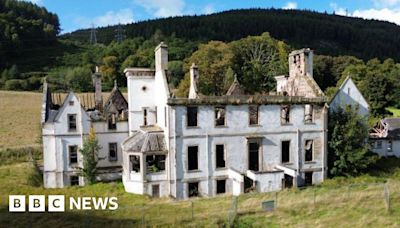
(385,14)
(338,10)
(290,5)
(122,16)
(209,9)
(385,3)
(162,8)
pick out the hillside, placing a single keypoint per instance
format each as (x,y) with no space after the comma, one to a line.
(326,33)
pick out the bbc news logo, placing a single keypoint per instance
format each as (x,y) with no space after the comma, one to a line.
(56,203)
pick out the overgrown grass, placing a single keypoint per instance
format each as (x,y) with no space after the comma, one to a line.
(22,154)
(337,202)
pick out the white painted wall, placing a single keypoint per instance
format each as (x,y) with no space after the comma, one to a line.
(383,151)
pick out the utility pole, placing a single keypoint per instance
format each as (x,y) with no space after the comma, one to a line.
(120,33)
(93,37)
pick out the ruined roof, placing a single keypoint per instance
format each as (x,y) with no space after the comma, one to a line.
(393,123)
(235,88)
(246,99)
(147,139)
(388,128)
(116,101)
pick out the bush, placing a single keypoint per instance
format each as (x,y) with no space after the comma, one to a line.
(15,84)
(15,155)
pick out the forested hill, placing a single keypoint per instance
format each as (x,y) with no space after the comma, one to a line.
(327,33)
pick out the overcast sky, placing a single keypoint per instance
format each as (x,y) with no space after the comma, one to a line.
(76,14)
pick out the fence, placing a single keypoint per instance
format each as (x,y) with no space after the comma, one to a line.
(229,211)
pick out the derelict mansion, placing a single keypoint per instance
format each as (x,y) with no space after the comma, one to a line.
(197,146)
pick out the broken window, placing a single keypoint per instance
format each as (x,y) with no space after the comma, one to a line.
(285,114)
(308,150)
(390,146)
(112,122)
(220,156)
(285,151)
(308,113)
(112,151)
(73,154)
(221,186)
(193,189)
(74,180)
(145,117)
(155,163)
(308,178)
(379,145)
(135,163)
(254,148)
(219,116)
(193,157)
(72,122)
(191,115)
(253,114)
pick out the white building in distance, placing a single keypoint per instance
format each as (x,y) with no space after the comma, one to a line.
(208,145)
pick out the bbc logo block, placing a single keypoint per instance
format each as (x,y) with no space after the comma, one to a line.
(36,203)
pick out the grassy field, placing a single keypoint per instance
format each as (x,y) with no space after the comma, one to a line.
(334,203)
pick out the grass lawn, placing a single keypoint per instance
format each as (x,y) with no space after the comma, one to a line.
(330,205)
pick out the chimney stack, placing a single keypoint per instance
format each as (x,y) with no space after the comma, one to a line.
(98,97)
(194,77)
(301,62)
(161,55)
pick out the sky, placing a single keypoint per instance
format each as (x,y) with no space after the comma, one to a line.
(77,14)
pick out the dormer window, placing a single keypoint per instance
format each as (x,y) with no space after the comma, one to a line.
(112,122)
(71,122)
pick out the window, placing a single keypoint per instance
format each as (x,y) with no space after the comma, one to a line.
(74,180)
(285,151)
(135,163)
(348,91)
(221,186)
(191,115)
(220,116)
(71,103)
(72,122)
(220,156)
(112,122)
(285,114)
(193,157)
(372,144)
(193,189)
(378,144)
(155,163)
(308,147)
(145,117)
(253,156)
(308,180)
(390,146)
(308,113)
(253,114)
(112,151)
(73,154)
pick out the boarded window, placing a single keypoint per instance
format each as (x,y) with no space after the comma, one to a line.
(254,148)
(308,113)
(112,122)
(191,115)
(135,163)
(308,178)
(193,157)
(285,114)
(74,180)
(72,122)
(112,151)
(221,186)
(253,114)
(220,116)
(308,150)
(155,163)
(220,155)
(285,151)
(73,154)
(193,189)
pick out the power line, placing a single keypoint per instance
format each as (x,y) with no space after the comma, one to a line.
(93,37)
(120,36)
